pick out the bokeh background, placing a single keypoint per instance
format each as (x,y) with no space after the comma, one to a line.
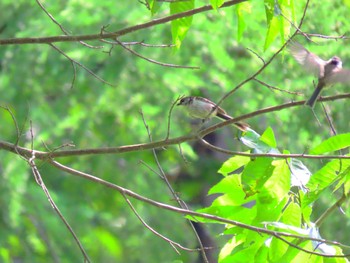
(36,84)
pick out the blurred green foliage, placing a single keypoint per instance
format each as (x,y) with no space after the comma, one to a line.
(36,84)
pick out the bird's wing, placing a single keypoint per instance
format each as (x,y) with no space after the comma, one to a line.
(219,109)
(310,61)
(341,75)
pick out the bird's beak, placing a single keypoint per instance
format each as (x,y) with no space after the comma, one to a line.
(179,103)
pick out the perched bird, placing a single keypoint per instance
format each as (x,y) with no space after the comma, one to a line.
(202,108)
(328,72)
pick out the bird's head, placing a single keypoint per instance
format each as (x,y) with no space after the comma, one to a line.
(336,61)
(185,101)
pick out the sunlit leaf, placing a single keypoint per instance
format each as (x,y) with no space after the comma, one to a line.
(216,3)
(322,179)
(242,10)
(233,164)
(332,144)
(269,138)
(179,27)
(255,174)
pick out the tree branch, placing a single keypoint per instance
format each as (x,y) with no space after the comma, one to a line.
(217,219)
(22,151)
(113,35)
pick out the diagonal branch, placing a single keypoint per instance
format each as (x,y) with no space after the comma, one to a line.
(41,183)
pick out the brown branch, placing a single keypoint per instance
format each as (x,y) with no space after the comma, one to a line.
(269,109)
(168,142)
(113,35)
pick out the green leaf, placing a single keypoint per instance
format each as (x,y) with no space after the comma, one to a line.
(268,137)
(233,164)
(229,246)
(246,252)
(255,174)
(242,10)
(322,179)
(276,22)
(216,3)
(255,141)
(179,27)
(332,144)
(292,215)
(229,184)
(278,185)
(154,5)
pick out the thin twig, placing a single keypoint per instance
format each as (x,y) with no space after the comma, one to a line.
(180,202)
(61,27)
(275,88)
(80,65)
(140,43)
(326,37)
(169,117)
(152,60)
(329,120)
(171,242)
(41,183)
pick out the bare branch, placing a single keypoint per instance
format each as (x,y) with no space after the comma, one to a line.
(278,89)
(326,37)
(152,60)
(80,65)
(41,183)
(171,242)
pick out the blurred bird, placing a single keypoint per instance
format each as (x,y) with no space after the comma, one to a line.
(328,72)
(202,108)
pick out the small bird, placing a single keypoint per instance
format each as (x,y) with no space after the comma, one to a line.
(328,72)
(203,108)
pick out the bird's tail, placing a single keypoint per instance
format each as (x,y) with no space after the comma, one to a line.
(240,125)
(311,102)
